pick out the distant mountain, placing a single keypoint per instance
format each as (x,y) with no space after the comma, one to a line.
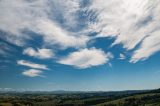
(83,92)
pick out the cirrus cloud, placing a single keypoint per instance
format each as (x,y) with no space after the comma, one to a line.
(41,17)
(122,56)
(149,46)
(131,22)
(32,65)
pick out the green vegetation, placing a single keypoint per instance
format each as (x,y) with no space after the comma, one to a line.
(123,98)
(152,99)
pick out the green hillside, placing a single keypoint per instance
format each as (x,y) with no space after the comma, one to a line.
(152,99)
(119,98)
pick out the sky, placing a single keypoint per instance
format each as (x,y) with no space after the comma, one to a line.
(79,45)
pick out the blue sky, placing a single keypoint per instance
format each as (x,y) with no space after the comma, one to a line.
(86,45)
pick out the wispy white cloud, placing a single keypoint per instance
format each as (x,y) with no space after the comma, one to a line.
(41,17)
(129,21)
(18,16)
(86,58)
(4,49)
(122,56)
(67,11)
(32,73)
(149,46)
(32,65)
(54,34)
(40,53)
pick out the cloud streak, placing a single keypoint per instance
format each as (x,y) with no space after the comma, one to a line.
(122,56)
(32,65)
(32,73)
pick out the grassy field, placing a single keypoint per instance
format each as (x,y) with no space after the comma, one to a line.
(152,99)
